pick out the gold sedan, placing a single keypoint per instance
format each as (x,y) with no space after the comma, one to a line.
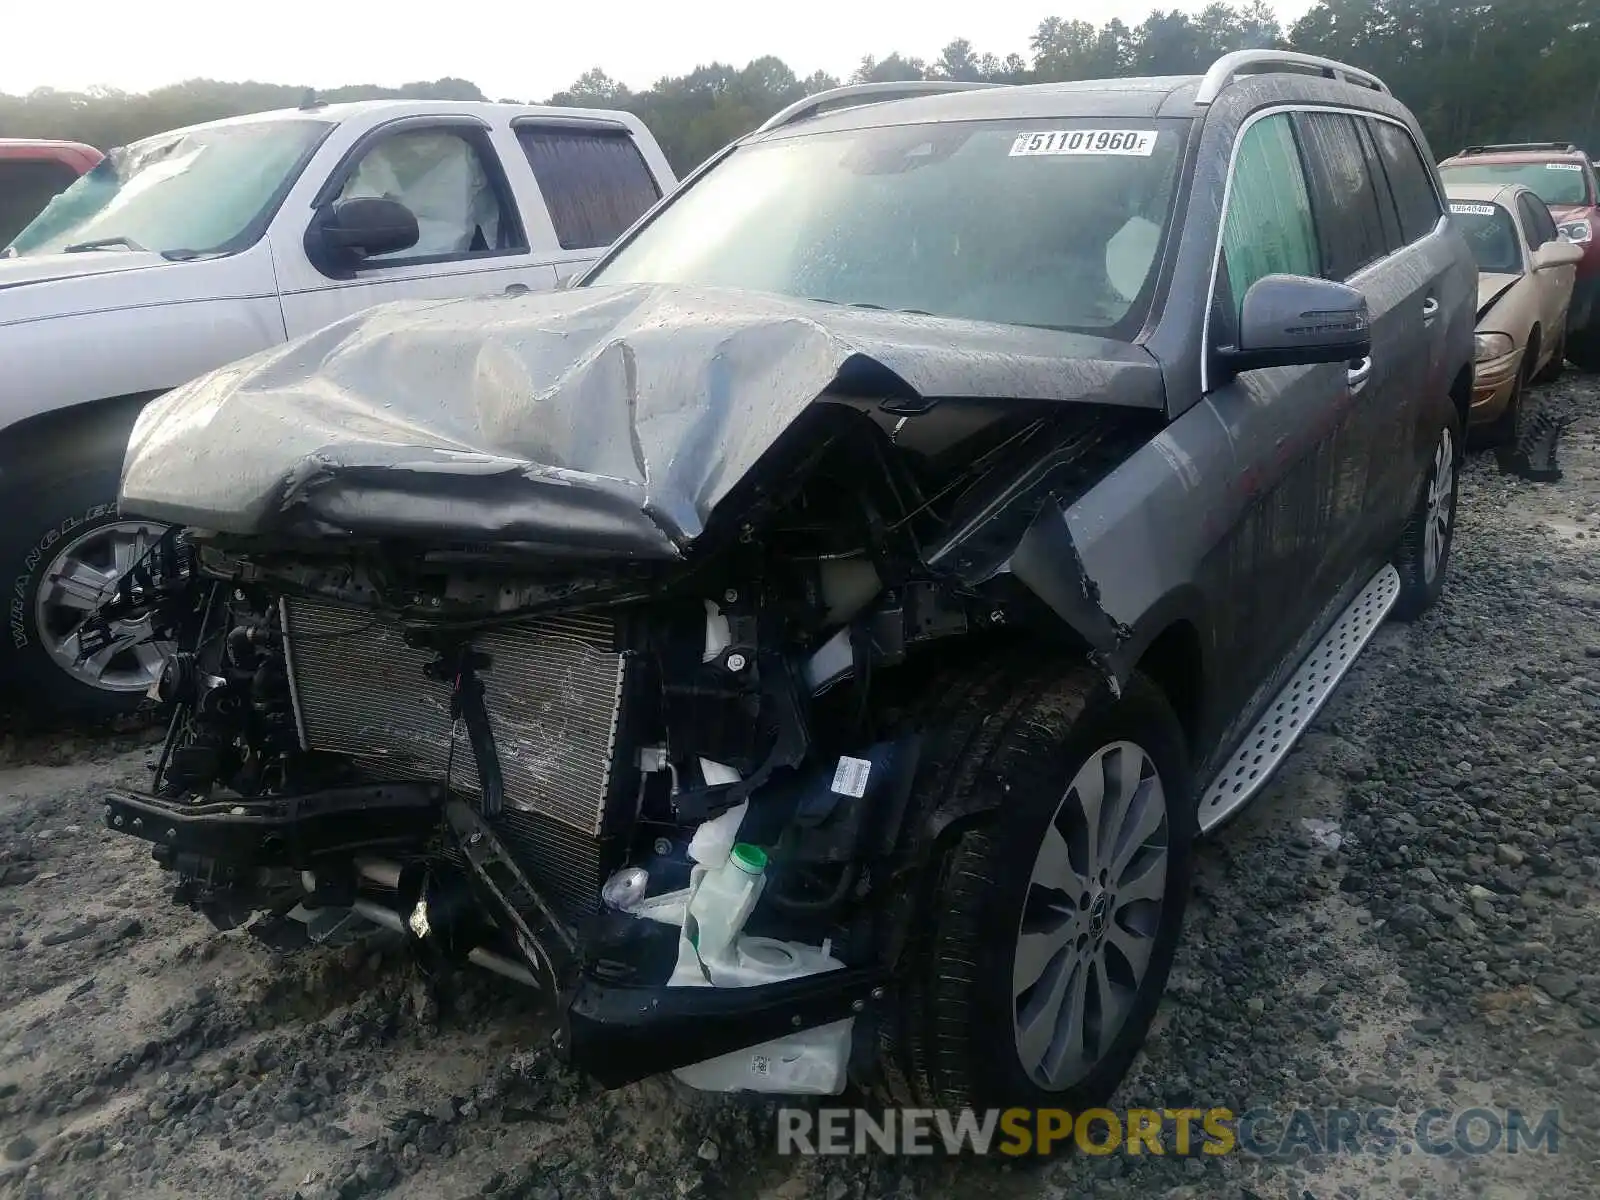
(1525,276)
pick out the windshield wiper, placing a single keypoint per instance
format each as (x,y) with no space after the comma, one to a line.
(916,312)
(109,243)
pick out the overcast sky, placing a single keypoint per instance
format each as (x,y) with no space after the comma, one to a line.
(519,49)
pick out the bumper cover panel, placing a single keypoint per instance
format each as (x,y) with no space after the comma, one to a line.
(620,1034)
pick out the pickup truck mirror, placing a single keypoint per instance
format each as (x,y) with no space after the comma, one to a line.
(1294,320)
(364,226)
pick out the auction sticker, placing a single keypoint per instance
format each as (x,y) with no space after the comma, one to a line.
(1472,210)
(1140,143)
(1563,167)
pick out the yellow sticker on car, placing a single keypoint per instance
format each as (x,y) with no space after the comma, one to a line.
(1138,142)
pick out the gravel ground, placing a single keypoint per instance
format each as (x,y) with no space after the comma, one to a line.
(1409,918)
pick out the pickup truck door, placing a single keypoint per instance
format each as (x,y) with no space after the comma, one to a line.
(474,236)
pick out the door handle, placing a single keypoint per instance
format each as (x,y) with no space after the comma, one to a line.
(1430,308)
(516,289)
(1358,374)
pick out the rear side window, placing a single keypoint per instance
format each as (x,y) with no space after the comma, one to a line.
(1268,229)
(26,186)
(1343,194)
(595,182)
(1538,225)
(1409,179)
(1388,208)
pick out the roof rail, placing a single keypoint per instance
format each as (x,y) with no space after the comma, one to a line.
(1240,62)
(1513,147)
(864,93)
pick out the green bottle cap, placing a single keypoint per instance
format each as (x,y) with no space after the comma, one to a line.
(748,858)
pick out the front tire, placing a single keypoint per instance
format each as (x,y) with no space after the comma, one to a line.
(1049,930)
(62,549)
(1557,365)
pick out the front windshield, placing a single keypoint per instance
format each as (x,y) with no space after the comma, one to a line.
(182,195)
(1490,232)
(1552,182)
(1054,225)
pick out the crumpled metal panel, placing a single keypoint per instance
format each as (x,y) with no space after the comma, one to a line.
(607,420)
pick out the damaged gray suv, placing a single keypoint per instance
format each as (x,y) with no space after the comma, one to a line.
(807,650)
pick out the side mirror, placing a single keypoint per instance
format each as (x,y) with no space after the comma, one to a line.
(1559,253)
(364,226)
(1294,320)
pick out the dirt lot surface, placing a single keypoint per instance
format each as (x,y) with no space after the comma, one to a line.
(1408,919)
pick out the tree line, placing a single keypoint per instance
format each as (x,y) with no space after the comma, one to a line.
(1472,72)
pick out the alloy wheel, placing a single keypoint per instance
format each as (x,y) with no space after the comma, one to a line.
(1091,916)
(83,576)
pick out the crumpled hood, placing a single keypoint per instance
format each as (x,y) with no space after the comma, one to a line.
(1491,286)
(607,420)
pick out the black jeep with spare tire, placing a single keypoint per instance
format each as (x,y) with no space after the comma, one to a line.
(808,649)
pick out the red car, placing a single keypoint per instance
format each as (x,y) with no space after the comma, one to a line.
(1563,176)
(31,173)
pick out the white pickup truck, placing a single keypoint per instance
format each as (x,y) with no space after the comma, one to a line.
(191,249)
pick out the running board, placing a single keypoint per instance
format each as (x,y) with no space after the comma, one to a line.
(1286,718)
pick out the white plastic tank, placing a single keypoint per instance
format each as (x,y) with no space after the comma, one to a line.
(714,951)
(811,1062)
(722,902)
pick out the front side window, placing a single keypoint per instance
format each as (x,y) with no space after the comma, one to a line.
(1537,221)
(1057,225)
(1556,183)
(1491,234)
(442,178)
(206,191)
(1344,194)
(1268,229)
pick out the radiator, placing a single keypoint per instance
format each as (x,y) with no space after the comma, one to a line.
(553,691)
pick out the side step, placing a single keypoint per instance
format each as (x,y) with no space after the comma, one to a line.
(1286,718)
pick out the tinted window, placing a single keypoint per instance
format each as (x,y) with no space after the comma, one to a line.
(1410,181)
(1269,230)
(1058,225)
(1388,211)
(445,180)
(1553,182)
(1343,195)
(1491,235)
(26,185)
(595,182)
(1539,225)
